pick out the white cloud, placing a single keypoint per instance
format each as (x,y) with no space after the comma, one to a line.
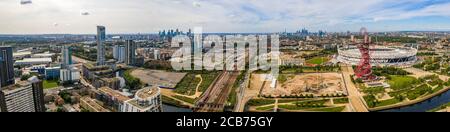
(196,4)
(85,13)
(25,2)
(131,16)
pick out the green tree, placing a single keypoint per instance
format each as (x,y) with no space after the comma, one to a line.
(132,82)
(25,77)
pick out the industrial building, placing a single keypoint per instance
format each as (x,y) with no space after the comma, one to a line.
(71,74)
(33,61)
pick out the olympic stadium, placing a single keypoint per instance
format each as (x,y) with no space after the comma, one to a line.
(380,56)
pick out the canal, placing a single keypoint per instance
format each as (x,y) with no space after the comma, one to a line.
(170,108)
(426,105)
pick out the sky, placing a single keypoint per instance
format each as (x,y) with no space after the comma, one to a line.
(243,16)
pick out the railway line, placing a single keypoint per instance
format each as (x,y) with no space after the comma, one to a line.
(214,99)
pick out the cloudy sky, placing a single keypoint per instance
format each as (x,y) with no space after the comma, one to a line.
(150,16)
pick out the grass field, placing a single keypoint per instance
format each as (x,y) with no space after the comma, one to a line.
(171,101)
(331,109)
(185,99)
(49,84)
(387,102)
(402,82)
(260,102)
(318,60)
(189,83)
(265,108)
(341,101)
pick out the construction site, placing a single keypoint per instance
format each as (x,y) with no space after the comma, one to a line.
(158,77)
(317,84)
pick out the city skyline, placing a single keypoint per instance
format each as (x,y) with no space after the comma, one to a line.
(249,16)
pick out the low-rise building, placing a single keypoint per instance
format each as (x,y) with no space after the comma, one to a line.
(33,61)
(92,72)
(43,55)
(39,69)
(111,98)
(70,75)
(91,105)
(113,83)
(21,55)
(52,73)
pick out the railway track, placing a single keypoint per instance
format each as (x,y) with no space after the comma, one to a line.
(214,99)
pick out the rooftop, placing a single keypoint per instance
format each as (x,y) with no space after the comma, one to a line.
(44,55)
(91,66)
(94,105)
(147,92)
(141,107)
(113,93)
(19,84)
(22,53)
(35,60)
(109,79)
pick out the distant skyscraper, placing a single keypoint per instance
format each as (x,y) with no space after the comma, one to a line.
(189,32)
(321,33)
(119,53)
(6,66)
(130,52)
(115,48)
(101,37)
(66,57)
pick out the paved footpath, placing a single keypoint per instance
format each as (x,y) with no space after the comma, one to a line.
(355,98)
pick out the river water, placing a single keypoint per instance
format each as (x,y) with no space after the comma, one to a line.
(420,107)
(426,105)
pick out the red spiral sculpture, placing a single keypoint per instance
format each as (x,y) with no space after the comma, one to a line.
(364,69)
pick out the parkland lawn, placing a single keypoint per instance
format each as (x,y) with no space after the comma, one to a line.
(318,60)
(49,84)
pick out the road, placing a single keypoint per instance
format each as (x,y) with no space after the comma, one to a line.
(80,60)
(355,98)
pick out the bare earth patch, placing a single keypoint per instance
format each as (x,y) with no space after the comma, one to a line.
(310,83)
(158,77)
